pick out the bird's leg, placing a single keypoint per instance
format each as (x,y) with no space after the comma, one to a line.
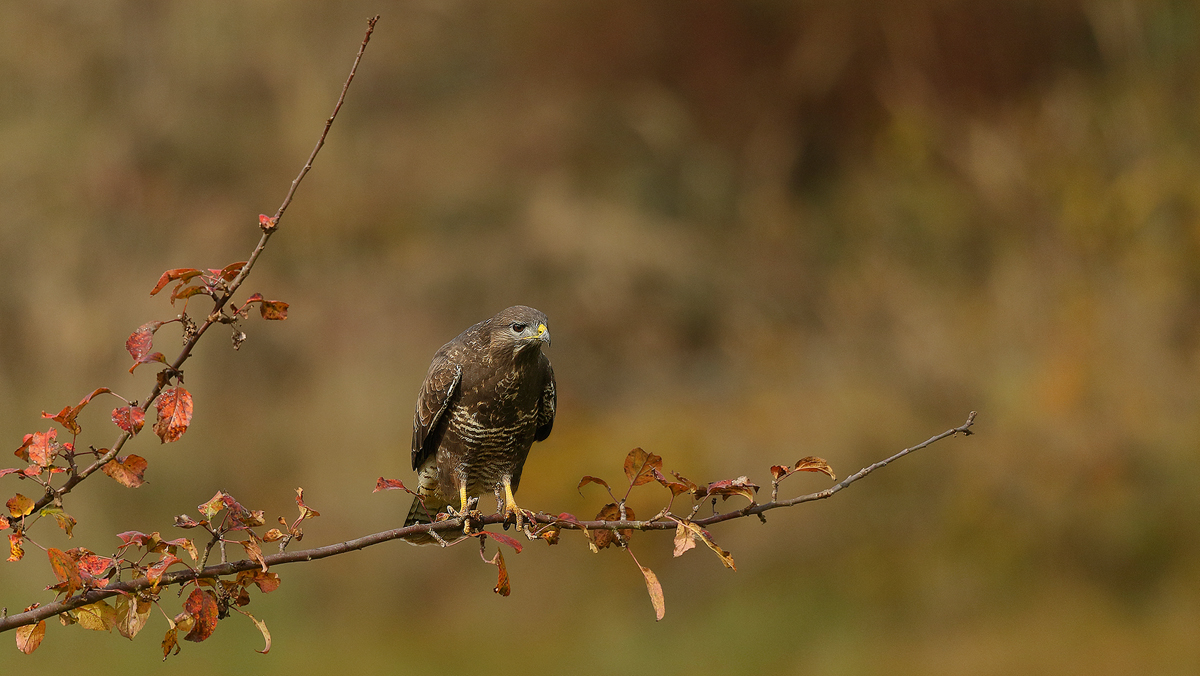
(510,507)
(465,511)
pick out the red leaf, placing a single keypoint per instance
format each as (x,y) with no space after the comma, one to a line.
(502,586)
(500,537)
(155,572)
(273,309)
(141,341)
(182,274)
(267,223)
(95,566)
(129,418)
(727,487)
(174,414)
(133,537)
(231,271)
(202,606)
(640,466)
(676,487)
(391,485)
(127,471)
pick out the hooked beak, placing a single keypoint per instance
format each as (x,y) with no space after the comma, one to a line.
(542,335)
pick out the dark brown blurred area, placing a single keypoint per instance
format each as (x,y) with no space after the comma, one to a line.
(761,230)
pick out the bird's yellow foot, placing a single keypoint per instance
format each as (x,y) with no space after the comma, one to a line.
(510,509)
(466,511)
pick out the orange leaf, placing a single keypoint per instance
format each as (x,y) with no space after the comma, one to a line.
(182,274)
(266,582)
(273,309)
(42,447)
(640,466)
(129,418)
(14,546)
(502,586)
(174,414)
(127,471)
(201,605)
(229,272)
(30,636)
(155,572)
(213,506)
(267,223)
(814,464)
(65,569)
(19,505)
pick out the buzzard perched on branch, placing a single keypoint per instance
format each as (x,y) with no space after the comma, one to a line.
(488,396)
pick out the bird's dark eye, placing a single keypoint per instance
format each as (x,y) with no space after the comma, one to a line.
(518,327)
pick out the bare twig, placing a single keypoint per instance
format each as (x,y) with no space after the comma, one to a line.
(660,521)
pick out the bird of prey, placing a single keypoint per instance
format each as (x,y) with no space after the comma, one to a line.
(488,396)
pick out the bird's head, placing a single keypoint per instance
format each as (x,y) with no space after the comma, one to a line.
(520,328)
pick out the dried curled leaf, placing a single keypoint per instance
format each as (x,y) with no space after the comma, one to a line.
(592,480)
(132,614)
(685,539)
(656,592)
(729,487)
(809,464)
(391,485)
(306,512)
(600,538)
(502,585)
(174,414)
(183,275)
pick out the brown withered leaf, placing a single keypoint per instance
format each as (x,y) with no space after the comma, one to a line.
(65,521)
(185,521)
(174,414)
(685,539)
(676,487)
(502,585)
(266,582)
(132,614)
(180,274)
(19,505)
(141,341)
(129,418)
(30,636)
(814,464)
(155,572)
(391,485)
(729,487)
(273,535)
(170,640)
(262,627)
(306,512)
(98,616)
(254,551)
(65,570)
(127,470)
(592,480)
(201,604)
(273,309)
(600,538)
(174,545)
(706,538)
(656,592)
(15,552)
(640,467)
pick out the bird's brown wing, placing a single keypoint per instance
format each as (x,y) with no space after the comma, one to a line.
(438,390)
(545,420)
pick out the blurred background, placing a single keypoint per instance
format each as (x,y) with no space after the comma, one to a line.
(761,230)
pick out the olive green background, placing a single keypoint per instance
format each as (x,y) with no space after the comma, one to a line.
(761,230)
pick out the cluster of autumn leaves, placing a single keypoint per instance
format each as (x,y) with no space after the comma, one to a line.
(80,570)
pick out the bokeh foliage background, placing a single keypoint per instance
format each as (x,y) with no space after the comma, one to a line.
(761,230)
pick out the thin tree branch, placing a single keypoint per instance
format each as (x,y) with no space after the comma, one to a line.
(449,525)
(55,495)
